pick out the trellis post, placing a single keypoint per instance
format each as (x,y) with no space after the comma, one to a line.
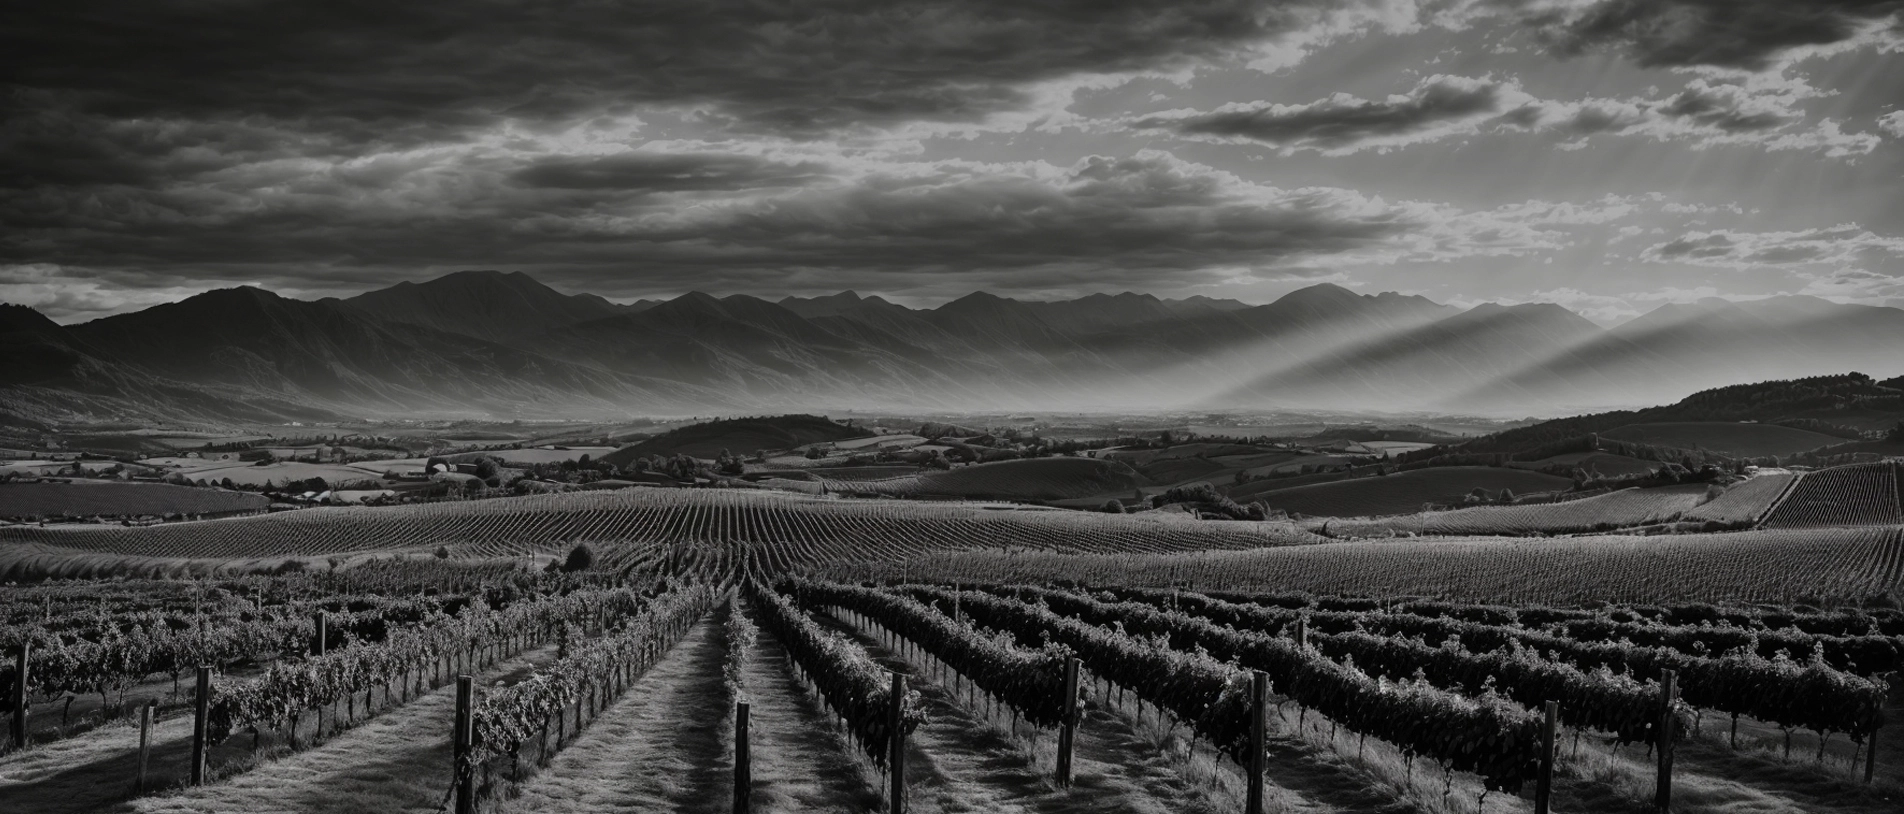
(1544,784)
(1259,703)
(896,744)
(201,719)
(20,665)
(1663,789)
(317,645)
(743,771)
(1068,733)
(145,741)
(1870,755)
(460,742)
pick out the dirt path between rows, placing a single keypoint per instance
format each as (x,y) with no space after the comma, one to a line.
(396,762)
(658,748)
(799,765)
(957,763)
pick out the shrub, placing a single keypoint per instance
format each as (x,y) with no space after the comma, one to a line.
(580,558)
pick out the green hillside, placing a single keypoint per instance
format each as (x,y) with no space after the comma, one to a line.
(740,436)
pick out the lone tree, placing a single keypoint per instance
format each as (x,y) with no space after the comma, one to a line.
(580,558)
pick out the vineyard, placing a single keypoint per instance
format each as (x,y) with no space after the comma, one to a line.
(1859,494)
(1748,501)
(732,520)
(1404,492)
(773,652)
(1802,565)
(1040,479)
(922,694)
(1606,512)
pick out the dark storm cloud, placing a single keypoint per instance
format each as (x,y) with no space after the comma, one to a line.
(1344,123)
(1748,34)
(1149,219)
(664,172)
(397,73)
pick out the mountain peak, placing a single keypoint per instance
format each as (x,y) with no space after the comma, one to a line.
(1320,295)
(15,317)
(482,303)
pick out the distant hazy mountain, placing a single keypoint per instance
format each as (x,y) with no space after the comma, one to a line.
(505,345)
(485,304)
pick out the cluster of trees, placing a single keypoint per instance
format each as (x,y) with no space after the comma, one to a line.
(1204,499)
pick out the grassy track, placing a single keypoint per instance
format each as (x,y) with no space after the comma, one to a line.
(798,767)
(656,749)
(399,761)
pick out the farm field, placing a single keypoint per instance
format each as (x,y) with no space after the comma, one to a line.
(579,676)
(246,474)
(1750,440)
(1625,508)
(1403,492)
(1846,565)
(1860,494)
(729,522)
(1747,501)
(1038,479)
(114,499)
(532,455)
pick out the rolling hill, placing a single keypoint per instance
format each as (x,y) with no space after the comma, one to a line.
(1036,479)
(1729,438)
(1404,492)
(739,436)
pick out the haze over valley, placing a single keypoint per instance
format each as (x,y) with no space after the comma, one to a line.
(484,344)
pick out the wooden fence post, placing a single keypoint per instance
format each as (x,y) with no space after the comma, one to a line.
(317,646)
(1544,785)
(1663,789)
(460,740)
(20,666)
(1068,734)
(743,770)
(1259,704)
(201,719)
(145,741)
(1302,632)
(896,743)
(1870,755)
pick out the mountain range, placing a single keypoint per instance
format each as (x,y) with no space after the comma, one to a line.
(503,345)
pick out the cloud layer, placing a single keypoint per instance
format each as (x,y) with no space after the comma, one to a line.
(925,147)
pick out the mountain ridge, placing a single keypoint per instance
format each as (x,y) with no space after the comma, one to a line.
(505,344)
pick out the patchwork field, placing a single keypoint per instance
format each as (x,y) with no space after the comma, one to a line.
(280,473)
(1038,479)
(115,499)
(1857,495)
(1625,508)
(1404,492)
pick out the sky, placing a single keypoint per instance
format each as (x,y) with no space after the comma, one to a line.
(1606,155)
